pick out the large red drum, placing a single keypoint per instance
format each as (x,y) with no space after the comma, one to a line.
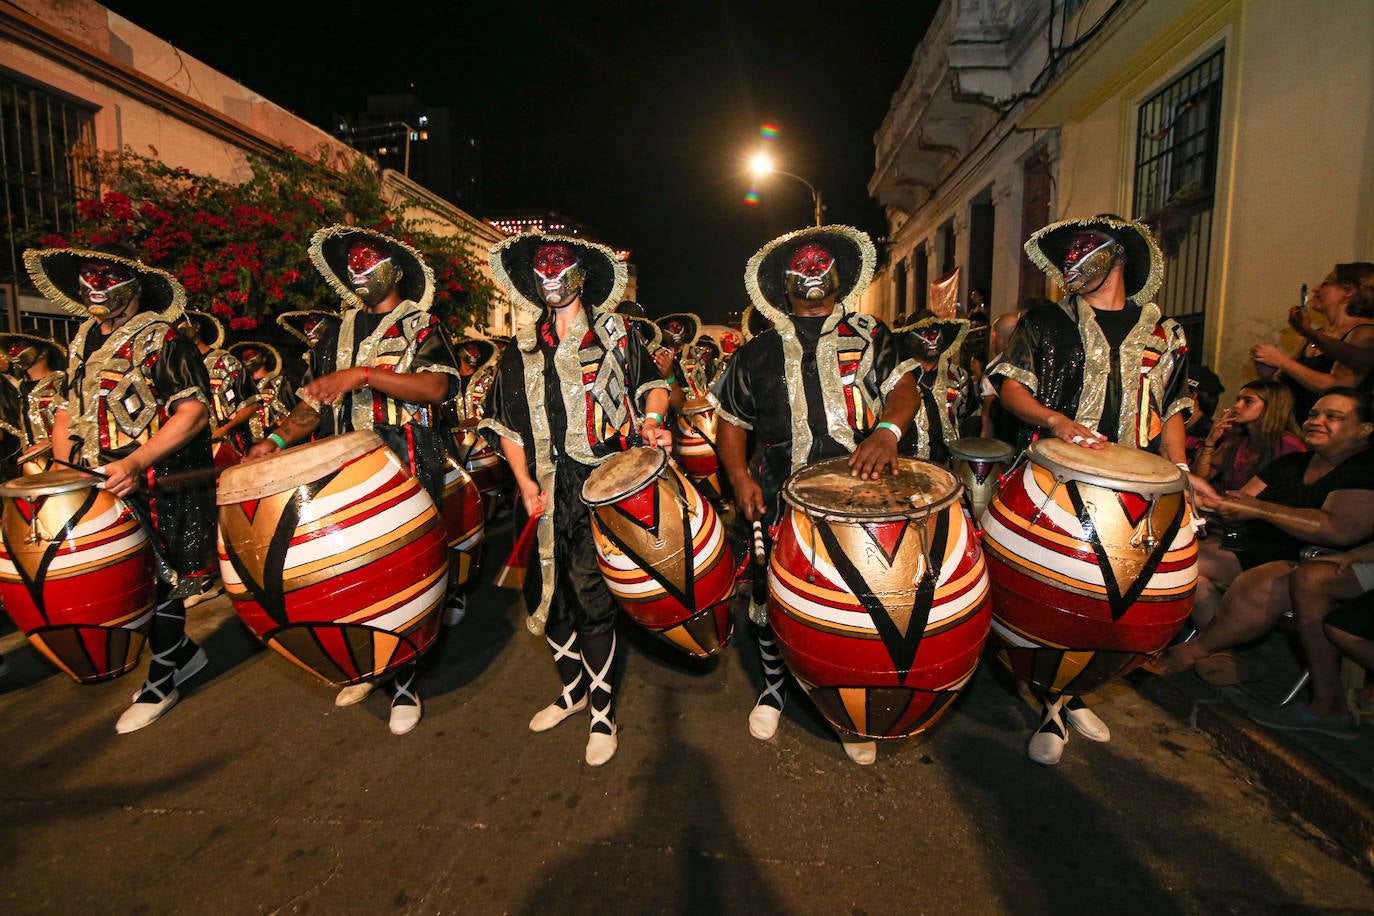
(662,549)
(694,445)
(77,573)
(334,555)
(464,522)
(1093,562)
(878,594)
(481,462)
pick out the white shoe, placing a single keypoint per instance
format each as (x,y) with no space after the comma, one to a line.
(600,748)
(456,610)
(553,714)
(355,693)
(210,591)
(405,717)
(864,753)
(763,721)
(1047,744)
(1086,722)
(141,715)
(183,674)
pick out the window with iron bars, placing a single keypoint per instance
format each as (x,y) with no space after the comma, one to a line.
(1175,185)
(40,181)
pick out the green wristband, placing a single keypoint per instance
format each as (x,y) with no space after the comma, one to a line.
(281,443)
(890,427)
(654,416)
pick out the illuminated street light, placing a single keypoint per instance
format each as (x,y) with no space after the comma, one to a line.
(761,165)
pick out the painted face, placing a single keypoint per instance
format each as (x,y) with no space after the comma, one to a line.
(253,360)
(927,340)
(1089,260)
(1334,425)
(560,275)
(106,289)
(372,273)
(811,274)
(472,355)
(314,330)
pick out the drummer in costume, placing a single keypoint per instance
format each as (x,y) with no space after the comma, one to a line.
(307,327)
(262,362)
(933,345)
(136,405)
(233,397)
(37,363)
(578,387)
(1102,366)
(386,366)
(823,382)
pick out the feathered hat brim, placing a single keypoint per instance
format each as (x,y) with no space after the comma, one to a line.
(296,323)
(208,326)
(512,264)
(855,258)
(329,253)
(1144,269)
(691,328)
(54,271)
(271,358)
(12,342)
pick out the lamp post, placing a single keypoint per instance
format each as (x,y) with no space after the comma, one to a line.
(762,165)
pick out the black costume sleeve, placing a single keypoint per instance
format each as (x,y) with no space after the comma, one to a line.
(641,372)
(733,392)
(1021,359)
(506,411)
(887,359)
(434,353)
(179,373)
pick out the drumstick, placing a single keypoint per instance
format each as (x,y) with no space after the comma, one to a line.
(512,574)
(760,555)
(77,467)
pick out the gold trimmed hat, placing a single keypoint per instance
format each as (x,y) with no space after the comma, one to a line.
(1144,269)
(752,323)
(854,255)
(209,328)
(249,352)
(680,329)
(512,265)
(302,325)
(54,272)
(484,349)
(634,313)
(329,254)
(951,331)
(15,343)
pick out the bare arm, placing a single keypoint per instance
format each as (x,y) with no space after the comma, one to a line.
(530,493)
(61,438)
(730,444)
(1347,516)
(411,387)
(188,418)
(294,427)
(1356,351)
(1023,405)
(879,450)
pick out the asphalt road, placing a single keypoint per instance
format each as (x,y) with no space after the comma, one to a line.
(257,795)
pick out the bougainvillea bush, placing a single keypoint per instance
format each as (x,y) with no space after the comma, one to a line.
(240,249)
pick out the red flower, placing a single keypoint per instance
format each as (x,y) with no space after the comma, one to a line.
(243,324)
(221,310)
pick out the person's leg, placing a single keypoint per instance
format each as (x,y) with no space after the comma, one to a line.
(1315,588)
(1214,565)
(567,659)
(599,663)
(406,708)
(1249,609)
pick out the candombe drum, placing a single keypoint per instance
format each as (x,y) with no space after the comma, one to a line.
(662,549)
(878,594)
(37,458)
(334,555)
(463,522)
(1093,563)
(225,453)
(694,445)
(978,463)
(77,573)
(481,461)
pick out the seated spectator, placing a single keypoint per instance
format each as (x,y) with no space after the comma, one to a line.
(1323,496)
(1205,390)
(1247,438)
(1327,631)
(1340,354)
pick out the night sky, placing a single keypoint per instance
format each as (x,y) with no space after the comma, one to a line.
(635,120)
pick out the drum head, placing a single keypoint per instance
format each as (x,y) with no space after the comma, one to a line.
(827,489)
(977,449)
(64,480)
(292,467)
(622,475)
(1118,467)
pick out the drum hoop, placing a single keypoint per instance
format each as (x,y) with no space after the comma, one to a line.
(916,513)
(964,455)
(334,451)
(26,487)
(631,491)
(1063,473)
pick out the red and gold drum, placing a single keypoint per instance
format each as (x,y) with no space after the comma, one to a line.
(978,463)
(1093,562)
(37,458)
(481,462)
(334,555)
(225,453)
(77,573)
(463,521)
(662,549)
(694,445)
(878,594)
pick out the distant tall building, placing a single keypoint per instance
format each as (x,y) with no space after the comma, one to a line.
(428,144)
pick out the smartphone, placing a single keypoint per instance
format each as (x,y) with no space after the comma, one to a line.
(1302,297)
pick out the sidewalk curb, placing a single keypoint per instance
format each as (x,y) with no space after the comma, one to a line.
(1311,787)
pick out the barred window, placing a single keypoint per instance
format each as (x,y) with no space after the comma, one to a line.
(1175,185)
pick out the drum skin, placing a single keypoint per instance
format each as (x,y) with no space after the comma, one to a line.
(1076,605)
(881,638)
(84,598)
(979,463)
(343,567)
(463,522)
(694,446)
(663,551)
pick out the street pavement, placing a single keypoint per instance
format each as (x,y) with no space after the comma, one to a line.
(257,795)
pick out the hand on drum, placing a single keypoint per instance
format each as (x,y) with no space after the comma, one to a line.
(261,450)
(533,498)
(1066,430)
(655,436)
(748,497)
(122,477)
(874,454)
(329,388)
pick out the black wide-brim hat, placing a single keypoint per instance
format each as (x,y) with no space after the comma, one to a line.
(15,343)
(689,324)
(54,271)
(634,313)
(271,359)
(753,323)
(1144,269)
(208,326)
(512,264)
(488,349)
(297,323)
(854,255)
(952,330)
(329,253)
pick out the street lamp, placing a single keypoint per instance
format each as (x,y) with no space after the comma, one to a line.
(762,165)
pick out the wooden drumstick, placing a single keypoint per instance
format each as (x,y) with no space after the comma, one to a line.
(760,554)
